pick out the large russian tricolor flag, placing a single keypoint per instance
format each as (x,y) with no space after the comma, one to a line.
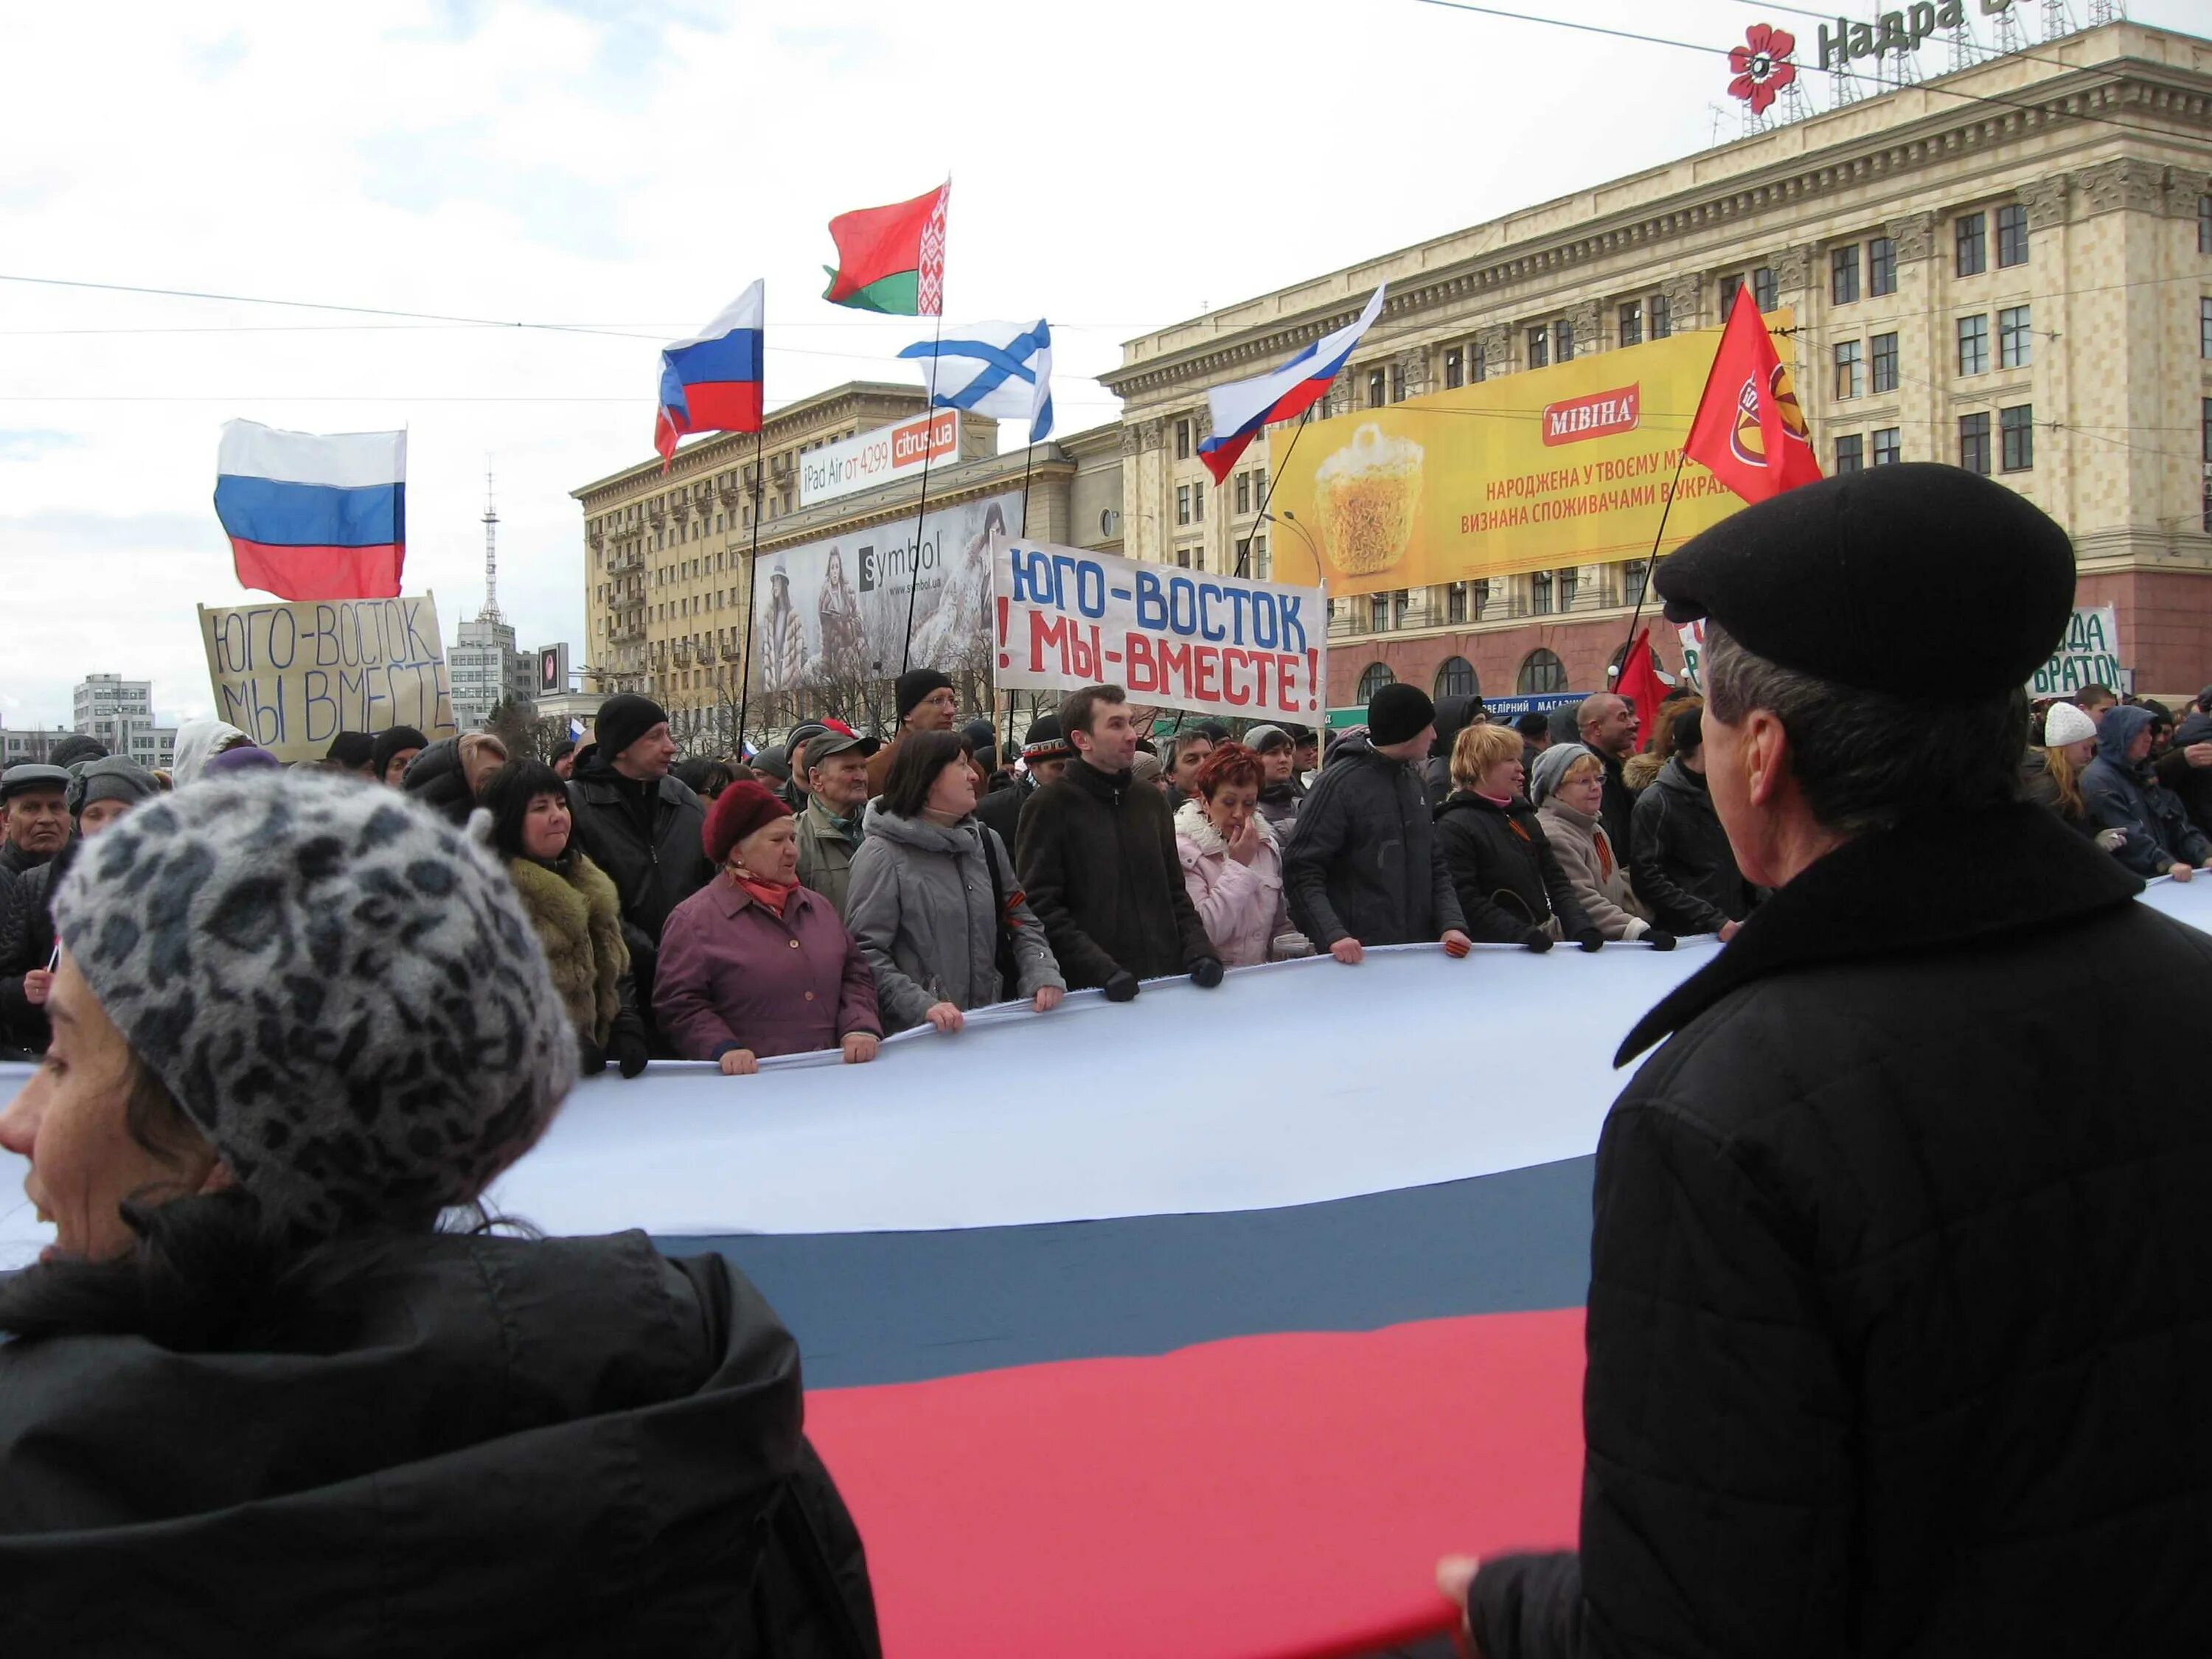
(712,381)
(1242,409)
(314,517)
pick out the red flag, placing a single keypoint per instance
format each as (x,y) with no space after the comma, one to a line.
(1749,430)
(891,259)
(1639,683)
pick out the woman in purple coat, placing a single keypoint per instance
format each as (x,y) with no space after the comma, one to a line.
(753,964)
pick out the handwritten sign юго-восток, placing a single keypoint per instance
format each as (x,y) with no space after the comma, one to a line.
(292,676)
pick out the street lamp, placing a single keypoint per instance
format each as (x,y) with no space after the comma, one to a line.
(1313,551)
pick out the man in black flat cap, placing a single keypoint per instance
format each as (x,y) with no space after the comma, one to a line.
(1899,1331)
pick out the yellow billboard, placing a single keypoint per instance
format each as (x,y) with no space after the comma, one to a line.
(1551,467)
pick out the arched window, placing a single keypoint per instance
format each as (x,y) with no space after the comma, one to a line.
(1541,672)
(1377,676)
(1456,679)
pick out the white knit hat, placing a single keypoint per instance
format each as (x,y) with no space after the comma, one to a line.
(2066,724)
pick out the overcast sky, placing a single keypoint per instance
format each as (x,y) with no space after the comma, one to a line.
(630,165)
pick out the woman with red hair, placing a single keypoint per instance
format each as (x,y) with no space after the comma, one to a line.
(1231,861)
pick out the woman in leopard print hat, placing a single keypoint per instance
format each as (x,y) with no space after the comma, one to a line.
(254,1397)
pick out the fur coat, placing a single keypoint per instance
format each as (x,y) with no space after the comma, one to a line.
(578,915)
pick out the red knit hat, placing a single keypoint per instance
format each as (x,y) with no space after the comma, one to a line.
(739,811)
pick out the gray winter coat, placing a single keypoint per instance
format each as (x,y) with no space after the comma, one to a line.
(920,905)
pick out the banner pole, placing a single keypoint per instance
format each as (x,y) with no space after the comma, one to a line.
(921,506)
(1028,455)
(1665,507)
(1267,494)
(752,574)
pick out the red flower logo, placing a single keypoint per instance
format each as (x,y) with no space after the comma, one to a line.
(1762,66)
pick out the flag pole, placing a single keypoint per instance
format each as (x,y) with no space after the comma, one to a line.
(922,505)
(1268,492)
(1665,507)
(752,601)
(1028,455)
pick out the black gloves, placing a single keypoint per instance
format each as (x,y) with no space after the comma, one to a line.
(1205,973)
(1590,939)
(1537,940)
(628,1050)
(1657,940)
(591,1060)
(1123,986)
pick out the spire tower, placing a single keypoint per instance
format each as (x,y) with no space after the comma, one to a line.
(490,612)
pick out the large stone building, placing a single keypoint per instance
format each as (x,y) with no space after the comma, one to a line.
(668,580)
(2008,268)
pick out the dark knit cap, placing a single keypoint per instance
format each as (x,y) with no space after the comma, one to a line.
(739,811)
(1689,730)
(390,742)
(351,751)
(1043,741)
(776,761)
(1396,713)
(1861,579)
(622,720)
(915,684)
(74,751)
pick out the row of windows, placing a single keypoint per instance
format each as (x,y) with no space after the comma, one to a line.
(1540,672)
(2015,350)
(2015,439)
(1881,270)
(1251,488)
(1190,503)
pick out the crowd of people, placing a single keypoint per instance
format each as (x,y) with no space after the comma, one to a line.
(920,878)
(1893,1319)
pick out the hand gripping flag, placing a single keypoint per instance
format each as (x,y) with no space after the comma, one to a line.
(311,517)
(1243,408)
(1001,369)
(1749,430)
(712,381)
(891,259)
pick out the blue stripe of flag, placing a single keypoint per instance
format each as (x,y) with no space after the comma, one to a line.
(279,514)
(735,356)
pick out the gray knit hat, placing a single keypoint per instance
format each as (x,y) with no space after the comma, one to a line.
(1551,766)
(338,988)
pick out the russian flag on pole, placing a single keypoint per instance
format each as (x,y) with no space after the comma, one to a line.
(311,517)
(1242,409)
(712,381)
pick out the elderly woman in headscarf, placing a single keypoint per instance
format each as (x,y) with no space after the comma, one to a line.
(199,742)
(753,964)
(1567,787)
(254,1389)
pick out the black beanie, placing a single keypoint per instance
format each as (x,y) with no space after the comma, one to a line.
(622,720)
(915,684)
(389,742)
(1396,713)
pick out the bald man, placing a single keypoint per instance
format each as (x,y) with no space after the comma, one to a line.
(1606,724)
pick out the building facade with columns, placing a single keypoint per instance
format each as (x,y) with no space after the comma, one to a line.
(669,559)
(2008,268)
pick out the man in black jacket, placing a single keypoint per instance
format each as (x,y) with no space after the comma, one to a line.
(1097,859)
(1606,724)
(2186,767)
(642,826)
(1365,866)
(1679,859)
(1900,1311)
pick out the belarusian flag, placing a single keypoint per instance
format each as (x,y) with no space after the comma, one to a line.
(891,259)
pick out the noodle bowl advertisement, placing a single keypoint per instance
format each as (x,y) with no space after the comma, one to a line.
(1173,638)
(1566,465)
